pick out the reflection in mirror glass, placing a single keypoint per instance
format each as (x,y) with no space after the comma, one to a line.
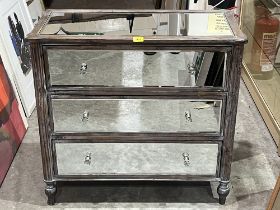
(144,24)
(136,68)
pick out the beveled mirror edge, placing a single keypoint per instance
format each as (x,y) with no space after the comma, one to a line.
(237,37)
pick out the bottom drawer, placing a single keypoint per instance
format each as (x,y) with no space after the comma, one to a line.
(136,159)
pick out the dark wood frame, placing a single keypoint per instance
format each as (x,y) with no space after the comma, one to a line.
(232,45)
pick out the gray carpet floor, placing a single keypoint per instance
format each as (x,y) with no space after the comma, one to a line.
(254,170)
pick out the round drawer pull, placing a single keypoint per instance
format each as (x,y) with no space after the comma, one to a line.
(188,116)
(85,116)
(88,158)
(186,158)
(191,69)
(83,69)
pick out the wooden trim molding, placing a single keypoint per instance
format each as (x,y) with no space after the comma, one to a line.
(274,201)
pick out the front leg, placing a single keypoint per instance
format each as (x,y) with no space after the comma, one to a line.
(223,191)
(50,191)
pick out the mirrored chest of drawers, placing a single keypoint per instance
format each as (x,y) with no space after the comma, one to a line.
(136,95)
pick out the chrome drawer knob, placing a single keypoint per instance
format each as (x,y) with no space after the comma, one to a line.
(83,69)
(191,69)
(188,116)
(186,158)
(85,116)
(88,158)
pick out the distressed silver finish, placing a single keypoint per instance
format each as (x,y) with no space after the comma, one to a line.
(119,68)
(135,115)
(123,109)
(136,158)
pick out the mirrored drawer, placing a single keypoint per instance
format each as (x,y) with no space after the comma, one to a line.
(135,68)
(136,158)
(136,115)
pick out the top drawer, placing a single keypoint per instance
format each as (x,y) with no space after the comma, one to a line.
(135,68)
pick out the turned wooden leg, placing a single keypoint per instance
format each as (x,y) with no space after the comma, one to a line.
(223,191)
(50,191)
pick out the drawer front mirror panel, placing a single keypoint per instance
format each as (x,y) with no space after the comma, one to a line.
(136,115)
(135,68)
(136,158)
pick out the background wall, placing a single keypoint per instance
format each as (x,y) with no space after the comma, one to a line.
(15,24)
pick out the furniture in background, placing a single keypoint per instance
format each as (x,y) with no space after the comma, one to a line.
(261,59)
(101,4)
(196,4)
(115,99)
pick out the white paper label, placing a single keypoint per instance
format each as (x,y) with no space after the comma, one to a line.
(268,48)
(266,67)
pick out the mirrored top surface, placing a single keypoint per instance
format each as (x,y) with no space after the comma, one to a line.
(141,24)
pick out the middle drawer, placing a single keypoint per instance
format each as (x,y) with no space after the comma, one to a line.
(136,115)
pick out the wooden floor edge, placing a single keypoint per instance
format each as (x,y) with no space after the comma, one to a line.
(263,109)
(274,195)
